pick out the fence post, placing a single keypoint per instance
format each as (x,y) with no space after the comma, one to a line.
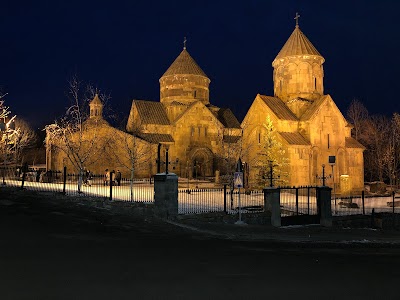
(325,205)
(308,200)
(64,179)
(393,195)
(111,184)
(363,203)
(297,201)
(225,199)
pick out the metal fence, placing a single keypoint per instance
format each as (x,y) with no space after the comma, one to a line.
(195,201)
(293,201)
(136,190)
(298,200)
(365,205)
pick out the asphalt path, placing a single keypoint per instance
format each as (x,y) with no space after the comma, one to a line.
(69,251)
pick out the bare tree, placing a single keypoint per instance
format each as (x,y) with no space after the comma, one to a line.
(26,139)
(75,134)
(357,115)
(130,151)
(377,155)
(9,133)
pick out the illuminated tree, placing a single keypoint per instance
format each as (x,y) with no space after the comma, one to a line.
(9,134)
(27,138)
(271,157)
(76,134)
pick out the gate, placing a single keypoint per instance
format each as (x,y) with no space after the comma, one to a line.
(299,205)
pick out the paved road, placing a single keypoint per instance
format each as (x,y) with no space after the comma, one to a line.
(70,252)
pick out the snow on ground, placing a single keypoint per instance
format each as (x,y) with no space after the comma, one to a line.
(211,200)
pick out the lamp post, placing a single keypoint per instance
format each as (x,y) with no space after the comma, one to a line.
(332,160)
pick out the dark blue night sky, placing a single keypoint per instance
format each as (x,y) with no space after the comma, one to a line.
(123,47)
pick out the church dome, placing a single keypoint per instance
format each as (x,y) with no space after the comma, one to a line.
(184,64)
(184,82)
(297,44)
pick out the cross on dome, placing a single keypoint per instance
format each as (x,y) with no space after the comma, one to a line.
(297,19)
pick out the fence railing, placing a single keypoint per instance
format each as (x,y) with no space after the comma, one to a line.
(219,200)
(298,200)
(137,190)
(365,205)
(294,201)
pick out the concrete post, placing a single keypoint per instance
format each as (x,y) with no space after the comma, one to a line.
(166,195)
(272,203)
(324,201)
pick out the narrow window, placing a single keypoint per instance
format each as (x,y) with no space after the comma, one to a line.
(205,131)
(259,137)
(328,141)
(198,130)
(315,83)
(194,94)
(192,131)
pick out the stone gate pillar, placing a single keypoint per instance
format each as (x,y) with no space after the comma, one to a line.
(166,195)
(272,203)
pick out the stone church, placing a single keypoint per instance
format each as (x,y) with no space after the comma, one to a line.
(99,146)
(202,140)
(313,133)
(200,137)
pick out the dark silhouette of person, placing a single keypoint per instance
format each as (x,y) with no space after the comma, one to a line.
(118,177)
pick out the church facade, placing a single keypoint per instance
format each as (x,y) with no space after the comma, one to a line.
(200,137)
(312,133)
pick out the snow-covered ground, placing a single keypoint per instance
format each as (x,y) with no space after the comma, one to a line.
(209,200)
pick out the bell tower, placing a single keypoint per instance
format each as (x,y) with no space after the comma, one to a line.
(96,107)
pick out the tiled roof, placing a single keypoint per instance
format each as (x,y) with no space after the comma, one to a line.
(151,112)
(184,64)
(297,44)
(227,118)
(353,143)
(230,139)
(313,108)
(155,138)
(294,138)
(279,108)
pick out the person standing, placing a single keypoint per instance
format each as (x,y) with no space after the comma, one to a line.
(106,177)
(118,177)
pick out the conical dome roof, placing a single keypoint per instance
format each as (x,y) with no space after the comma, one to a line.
(184,64)
(96,100)
(297,44)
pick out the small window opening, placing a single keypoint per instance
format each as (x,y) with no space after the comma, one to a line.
(328,141)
